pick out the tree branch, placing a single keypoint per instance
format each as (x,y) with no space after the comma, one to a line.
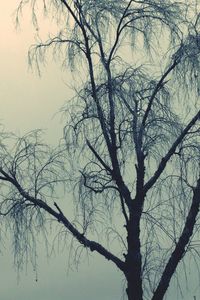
(124,209)
(57,40)
(179,250)
(98,157)
(156,90)
(169,154)
(118,32)
(71,12)
(59,216)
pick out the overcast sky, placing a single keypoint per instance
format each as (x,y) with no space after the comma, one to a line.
(28,102)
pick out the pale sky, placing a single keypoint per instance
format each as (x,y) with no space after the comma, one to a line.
(28,102)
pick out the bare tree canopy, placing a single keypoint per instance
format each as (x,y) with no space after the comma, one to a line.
(130,154)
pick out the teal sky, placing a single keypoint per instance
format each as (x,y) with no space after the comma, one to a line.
(28,102)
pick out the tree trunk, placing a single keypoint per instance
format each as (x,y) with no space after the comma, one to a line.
(134,287)
(134,260)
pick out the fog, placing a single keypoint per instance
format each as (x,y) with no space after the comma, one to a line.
(29,102)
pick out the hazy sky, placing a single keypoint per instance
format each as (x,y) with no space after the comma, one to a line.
(28,102)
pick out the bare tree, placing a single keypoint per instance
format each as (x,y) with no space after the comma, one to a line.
(131,147)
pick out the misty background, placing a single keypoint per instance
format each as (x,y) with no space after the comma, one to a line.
(29,102)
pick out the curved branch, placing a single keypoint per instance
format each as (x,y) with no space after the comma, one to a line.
(57,40)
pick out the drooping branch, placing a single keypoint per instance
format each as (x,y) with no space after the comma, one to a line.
(60,217)
(182,243)
(71,12)
(55,41)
